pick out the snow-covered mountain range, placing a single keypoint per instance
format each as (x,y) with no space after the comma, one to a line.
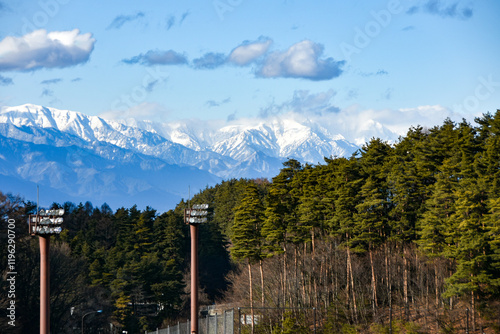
(76,157)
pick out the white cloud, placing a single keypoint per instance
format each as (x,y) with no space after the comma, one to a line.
(141,112)
(249,52)
(301,60)
(304,102)
(120,20)
(4,81)
(158,57)
(426,116)
(355,123)
(359,125)
(443,9)
(40,49)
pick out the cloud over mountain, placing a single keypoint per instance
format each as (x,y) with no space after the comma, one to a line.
(304,102)
(41,49)
(143,111)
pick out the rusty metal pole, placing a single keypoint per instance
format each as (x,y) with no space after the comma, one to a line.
(44,284)
(194,278)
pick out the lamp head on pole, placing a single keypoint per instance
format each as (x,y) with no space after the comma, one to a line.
(197,214)
(46,222)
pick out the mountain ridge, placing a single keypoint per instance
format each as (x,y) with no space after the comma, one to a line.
(93,151)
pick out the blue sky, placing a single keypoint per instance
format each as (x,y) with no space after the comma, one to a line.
(232,59)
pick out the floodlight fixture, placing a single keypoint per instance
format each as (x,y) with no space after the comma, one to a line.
(196,220)
(197,214)
(53,212)
(194,212)
(46,222)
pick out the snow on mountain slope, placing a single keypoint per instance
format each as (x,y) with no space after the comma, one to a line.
(79,155)
(216,147)
(101,174)
(241,142)
(87,130)
(276,137)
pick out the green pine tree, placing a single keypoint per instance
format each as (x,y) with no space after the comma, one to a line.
(247,237)
(281,208)
(469,245)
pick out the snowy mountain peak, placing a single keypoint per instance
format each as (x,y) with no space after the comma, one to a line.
(78,156)
(217,147)
(88,128)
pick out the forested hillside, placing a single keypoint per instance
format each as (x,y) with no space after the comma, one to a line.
(407,233)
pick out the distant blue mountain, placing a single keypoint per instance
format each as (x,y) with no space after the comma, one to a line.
(76,174)
(79,158)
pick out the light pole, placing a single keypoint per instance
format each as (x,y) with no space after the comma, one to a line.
(44,224)
(195,216)
(86,314)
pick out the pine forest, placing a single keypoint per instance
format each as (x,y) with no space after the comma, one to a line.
(399,238)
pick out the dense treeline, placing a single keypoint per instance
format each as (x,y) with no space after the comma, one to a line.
(133,264)
(411,227)
(408,232)
(141,261)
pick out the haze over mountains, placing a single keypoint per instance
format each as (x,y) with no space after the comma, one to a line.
(75,157)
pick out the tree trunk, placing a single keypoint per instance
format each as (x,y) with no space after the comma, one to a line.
(262,282)
(405,282)
(347,279)
(374,284)
(436,282)
(303,280)
(386,255)
(251,293)
(296,276)
(473,304)
(309,289)
(349,266)
(313,242)
(280,285)
(316,296)
(427,293)
(285,280)
(451,298)
(388,283)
